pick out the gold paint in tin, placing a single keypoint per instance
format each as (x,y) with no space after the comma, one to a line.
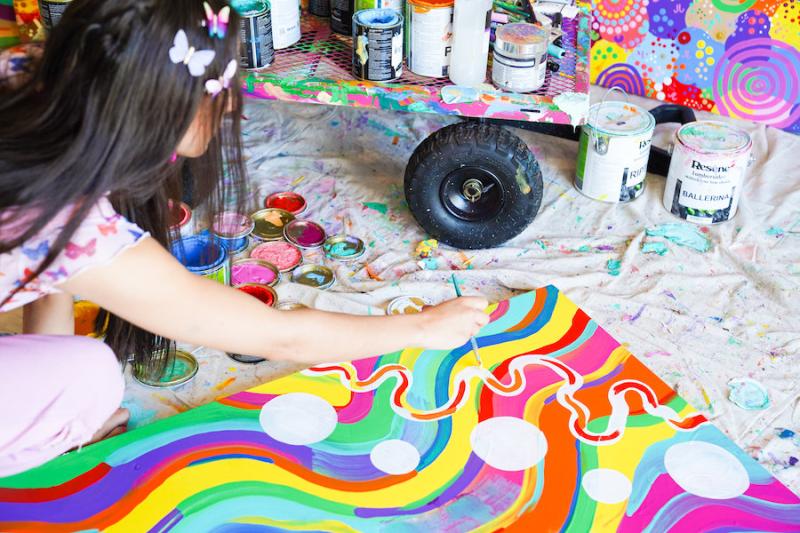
(316,276)
(269,224)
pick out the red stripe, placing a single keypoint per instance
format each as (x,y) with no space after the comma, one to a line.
(46,494)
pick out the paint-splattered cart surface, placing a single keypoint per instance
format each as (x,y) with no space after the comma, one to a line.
(318,69)
(561,430)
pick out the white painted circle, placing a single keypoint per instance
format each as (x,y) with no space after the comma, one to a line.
(298,418)
(394,457)
(706,470)
(606,486)
(508,443)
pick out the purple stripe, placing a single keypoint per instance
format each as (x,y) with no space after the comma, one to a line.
(168,522)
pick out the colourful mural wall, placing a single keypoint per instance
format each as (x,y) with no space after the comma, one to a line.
(738,58)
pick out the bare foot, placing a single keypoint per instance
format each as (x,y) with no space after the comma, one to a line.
(115,425)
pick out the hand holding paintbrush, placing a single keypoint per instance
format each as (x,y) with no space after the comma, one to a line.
(472,340)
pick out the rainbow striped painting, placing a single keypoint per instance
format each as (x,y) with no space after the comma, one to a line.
(562,429)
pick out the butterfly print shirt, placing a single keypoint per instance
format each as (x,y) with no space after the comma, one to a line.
(100,238)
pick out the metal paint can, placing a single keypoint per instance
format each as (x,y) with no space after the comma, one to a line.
(613,152)
(342,16)
(250,270)
(304,234)
(232,231)
(204,256)
(520,57)
(184,367)
(288,201)
(406,305)
(51,12)
(707,171)
(290,306)
(378,45)
(181,219)
(320,8)
(269,224)
(344,248)
(429,36)
(255,32)
(285,256)
(267,296)
(397,5)
(285,23)
(316,276)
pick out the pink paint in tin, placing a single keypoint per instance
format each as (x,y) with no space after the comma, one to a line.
(283,255)
(254,271)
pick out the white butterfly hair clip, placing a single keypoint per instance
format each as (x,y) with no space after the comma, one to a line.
(195,60)
(214,87)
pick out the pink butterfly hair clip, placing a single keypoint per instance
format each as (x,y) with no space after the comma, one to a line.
(214,87)
(217,23)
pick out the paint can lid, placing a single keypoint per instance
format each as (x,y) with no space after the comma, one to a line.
(290,306)
(620,118)
(316,276)
(522,40)
(230,225)
(249,8)
(379,18)
(432,3)
(344,247)
(288,201)
(406,305)
(269,223)
(304,233)
(713,137)
(284,255)
(264,293)
(246,359)
(184,367)
(251,269)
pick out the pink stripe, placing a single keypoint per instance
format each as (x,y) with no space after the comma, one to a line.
(713,517)
(501,309)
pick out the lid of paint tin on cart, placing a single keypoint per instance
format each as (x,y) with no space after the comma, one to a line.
(344,247)
(254,271)
(406,305)
(288,201)
(249,8)
(264,293)
(431,3)
(522,40)
(304,233)
(290,306)
(230,225)
(713,137)
(269,224)
(316,276)
(183,368)
(620,118)
(284,255)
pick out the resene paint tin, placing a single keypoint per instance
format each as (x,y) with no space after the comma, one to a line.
(320,8)
(406,305)
(181,219)
(520,57)
(203,255)
(285,256)
(246,271)
(183,368)
(344,248)
(613,152)
(429,36)
(378,45)
(288,201)
(51,12)
(232,231)
(342,16)
(304,234)
(269,224)
(255,32)
(316,276)
(707,171)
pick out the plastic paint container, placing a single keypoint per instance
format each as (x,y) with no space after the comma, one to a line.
(204,256)
(269,224)
(304,233)
(320,8)
(266,295)
(342,16)
(283,255)
(183,368)
(344,248)
(181,219)
(520,57)
(255,32)
(316,276)
(613,152)
(429,36)
(707,171)
(254,271)
(232,231)
(51,12)
(406,305)
(285,23)
(288,201)
(378,45)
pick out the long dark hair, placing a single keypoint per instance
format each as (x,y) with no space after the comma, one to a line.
(102,115)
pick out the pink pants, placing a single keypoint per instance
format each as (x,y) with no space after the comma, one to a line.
(55,393)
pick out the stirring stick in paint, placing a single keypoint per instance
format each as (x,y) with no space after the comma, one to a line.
(472,340)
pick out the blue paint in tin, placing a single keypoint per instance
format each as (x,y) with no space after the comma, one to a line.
(203,255)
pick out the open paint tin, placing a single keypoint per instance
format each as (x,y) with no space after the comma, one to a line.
(269,224)
(406,305)
(85,315)
(316,276)
(254,271)
(290,306)
(344,247)
(304,233)
(378,45)
(285,256)
(183,368)
(267,296)
(203,255)
(288,201)
(232,230)
(181,220)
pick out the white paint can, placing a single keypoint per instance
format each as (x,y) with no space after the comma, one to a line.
(430,36)
(613,152)
(707,171)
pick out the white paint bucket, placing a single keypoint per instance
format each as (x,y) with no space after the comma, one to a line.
(613,152)
(709,163)
(430,36)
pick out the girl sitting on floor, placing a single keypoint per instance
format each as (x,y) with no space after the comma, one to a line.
(92,148)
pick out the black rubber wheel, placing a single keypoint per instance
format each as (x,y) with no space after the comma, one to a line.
(473,185)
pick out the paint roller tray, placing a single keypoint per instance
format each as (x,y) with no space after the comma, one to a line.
(318,69)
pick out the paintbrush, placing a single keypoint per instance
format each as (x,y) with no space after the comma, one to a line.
(472,340)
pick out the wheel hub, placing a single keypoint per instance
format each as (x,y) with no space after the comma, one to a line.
(473,194)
